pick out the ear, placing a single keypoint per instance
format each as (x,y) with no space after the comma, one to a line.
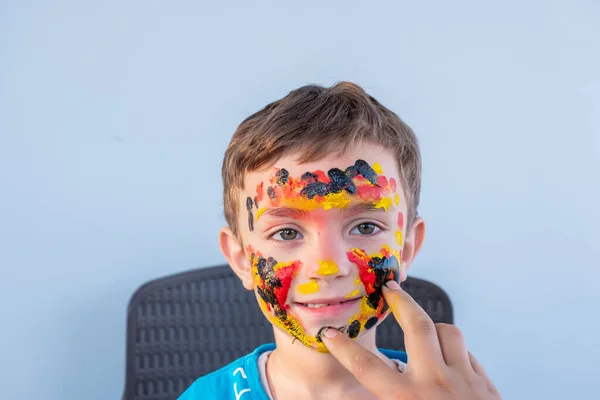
(412,245)
(233,251)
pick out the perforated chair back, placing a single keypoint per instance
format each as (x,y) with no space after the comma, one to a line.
(184,326)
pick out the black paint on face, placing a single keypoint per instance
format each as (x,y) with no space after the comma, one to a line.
(271,284)
(338,180)
(354,329)
(249,204)
(371,322)
(382,267)
(282,176)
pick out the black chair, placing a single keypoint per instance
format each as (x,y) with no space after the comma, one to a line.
(186,325)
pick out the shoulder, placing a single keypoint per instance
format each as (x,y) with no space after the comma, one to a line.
(234,381)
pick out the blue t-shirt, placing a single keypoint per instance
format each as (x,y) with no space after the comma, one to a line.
(240,380)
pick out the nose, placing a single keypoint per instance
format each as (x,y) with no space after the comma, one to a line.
(329,260)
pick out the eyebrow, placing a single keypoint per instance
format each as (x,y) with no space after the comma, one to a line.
(295,213)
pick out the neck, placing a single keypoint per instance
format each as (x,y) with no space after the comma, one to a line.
(293,366)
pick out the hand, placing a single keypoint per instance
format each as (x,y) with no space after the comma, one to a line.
(439,365)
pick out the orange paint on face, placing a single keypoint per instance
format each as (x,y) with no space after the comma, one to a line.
(259,192)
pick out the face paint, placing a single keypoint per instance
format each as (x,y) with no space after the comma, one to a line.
(327,267)
(272,281)
(399,238)
(399,235)
(374,270)
(336,189)
(249,205)
(309,287)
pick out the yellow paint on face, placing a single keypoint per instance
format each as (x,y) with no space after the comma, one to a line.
(336,200)
(308,287)
(332,200)
(397,199)
(291,324)
(328,267)
(352,294)
(399,238)
(384,203)
(357,281)
(293,327)
(395,253)
(260,212)
(377,168)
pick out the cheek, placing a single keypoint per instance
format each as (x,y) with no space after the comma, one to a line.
(373,270)
(272,280)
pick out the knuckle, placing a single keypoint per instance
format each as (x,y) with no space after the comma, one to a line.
(424,325)
(442,380)
(361,363)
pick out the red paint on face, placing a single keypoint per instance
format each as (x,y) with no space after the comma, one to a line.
(292,188)
(393,185)
(368,192)
(321,176)
(285,275)
(365,273)
(400,220)
(259,191)
(382,182)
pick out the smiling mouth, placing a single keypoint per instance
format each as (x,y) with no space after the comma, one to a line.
(322,304)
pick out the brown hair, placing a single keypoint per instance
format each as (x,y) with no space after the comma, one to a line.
(314,121)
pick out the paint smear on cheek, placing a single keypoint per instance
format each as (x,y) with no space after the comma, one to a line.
(352,294)
(399,238)
(327,267)
(309,287)
(272,281)
(400,220)
(374,270)
(393,185)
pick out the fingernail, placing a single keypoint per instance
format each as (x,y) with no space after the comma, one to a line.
(330,333)
(392,285)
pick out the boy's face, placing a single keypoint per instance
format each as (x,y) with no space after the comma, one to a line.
(320,239)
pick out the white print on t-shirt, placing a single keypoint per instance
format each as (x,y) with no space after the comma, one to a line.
(247,390)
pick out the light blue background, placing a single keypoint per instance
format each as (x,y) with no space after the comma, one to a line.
(114,116)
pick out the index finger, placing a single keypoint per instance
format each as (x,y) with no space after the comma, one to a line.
(374,374)
(420,335)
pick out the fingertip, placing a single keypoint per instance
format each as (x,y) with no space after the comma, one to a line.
(326,332)
(392,285)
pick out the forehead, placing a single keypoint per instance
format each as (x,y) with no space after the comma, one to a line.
(374,155)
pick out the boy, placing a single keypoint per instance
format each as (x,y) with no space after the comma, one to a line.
(320,192)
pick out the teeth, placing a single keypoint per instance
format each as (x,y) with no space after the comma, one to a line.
(310,305)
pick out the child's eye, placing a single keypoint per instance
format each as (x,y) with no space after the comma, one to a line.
(365,229)
(287,234)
